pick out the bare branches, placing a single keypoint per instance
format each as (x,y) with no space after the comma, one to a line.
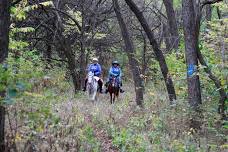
(15,2)
(66,14)
(208,2)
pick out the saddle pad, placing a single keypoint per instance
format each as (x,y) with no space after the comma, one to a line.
(96,78)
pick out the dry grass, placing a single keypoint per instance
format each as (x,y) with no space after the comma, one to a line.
(157,126)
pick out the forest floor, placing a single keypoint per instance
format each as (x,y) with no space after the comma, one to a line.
(72,123)
(101,110)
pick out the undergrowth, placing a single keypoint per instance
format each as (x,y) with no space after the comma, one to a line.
(45,115)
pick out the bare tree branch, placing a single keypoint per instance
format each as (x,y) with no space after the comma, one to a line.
(16,2)
(208,2)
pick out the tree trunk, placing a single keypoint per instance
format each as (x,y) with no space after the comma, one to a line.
(194,92)
(82,65)
(166,34)
(130,52)
(48,55)
(4,29)
(219,13)
(4,46)
(158,53)
(144,52)
(82,56)
(172,22)
(67,50)
(223,96)
(2,128)
(208,12)
(71,64)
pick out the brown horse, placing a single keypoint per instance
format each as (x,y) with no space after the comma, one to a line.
(113,89)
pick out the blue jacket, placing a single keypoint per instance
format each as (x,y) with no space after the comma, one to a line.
(115,71)
(95,68)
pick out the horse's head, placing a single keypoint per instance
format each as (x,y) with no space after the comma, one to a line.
(113,88)
(114,82)
(92,85)
(90,77)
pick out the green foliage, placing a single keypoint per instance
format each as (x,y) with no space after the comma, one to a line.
(126,140)
(223,6)
(19,12)
(177,4)
(90,139)
(157,127)
(19,74)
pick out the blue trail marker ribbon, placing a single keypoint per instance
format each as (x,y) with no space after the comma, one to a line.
(191,70)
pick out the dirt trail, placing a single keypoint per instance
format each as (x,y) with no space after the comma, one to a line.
(102,136)
(89,111)
(101,110)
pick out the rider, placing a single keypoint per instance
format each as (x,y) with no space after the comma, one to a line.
(96,69)
(116,72)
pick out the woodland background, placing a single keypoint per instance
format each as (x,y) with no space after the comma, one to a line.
(174,58)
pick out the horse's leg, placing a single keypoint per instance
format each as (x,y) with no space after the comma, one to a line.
(97,95)
(110,97)
(117,94)
(94,94)
(88,93)
(114,97)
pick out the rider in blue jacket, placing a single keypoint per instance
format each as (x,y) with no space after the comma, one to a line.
(116,72)
(96,69)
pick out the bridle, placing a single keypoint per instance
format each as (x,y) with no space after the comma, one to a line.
(114,83)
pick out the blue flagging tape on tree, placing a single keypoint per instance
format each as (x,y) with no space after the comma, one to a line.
(191,70)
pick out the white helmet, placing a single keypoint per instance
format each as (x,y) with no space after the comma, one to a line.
(95,59)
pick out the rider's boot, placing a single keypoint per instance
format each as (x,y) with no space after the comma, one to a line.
(101,90)
(100,83)
(84,88)
(121,90)
(106,85)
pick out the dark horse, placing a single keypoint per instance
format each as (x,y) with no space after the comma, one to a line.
(113,89)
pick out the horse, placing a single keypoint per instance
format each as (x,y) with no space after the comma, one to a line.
(113,89)
(92,86)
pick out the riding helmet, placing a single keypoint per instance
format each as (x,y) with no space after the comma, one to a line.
(95,59)
(115,62)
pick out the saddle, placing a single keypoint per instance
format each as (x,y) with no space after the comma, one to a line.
(97,78)
(110,82)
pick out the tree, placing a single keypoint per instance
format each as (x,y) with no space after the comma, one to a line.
(172,23)
(194,92)
(217,82)
(208,12)
(68,28)
(4,46)
(158,53)
(130,52)
(66,48)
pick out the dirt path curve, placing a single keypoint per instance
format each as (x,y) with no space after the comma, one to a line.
(87,109)
(102,136)
(95,113)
